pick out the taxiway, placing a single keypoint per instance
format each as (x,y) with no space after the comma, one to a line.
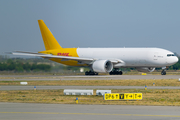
(31,111)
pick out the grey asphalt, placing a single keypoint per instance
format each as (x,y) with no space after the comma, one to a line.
(84,87)
(30,111)
(83,77)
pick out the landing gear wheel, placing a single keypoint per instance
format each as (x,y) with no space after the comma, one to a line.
(163,72)
(111,73)
(116,72)
(120,72)
(91,73)
(86,73)
(96,73)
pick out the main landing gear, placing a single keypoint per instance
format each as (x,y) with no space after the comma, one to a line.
(91,73)
(116,72)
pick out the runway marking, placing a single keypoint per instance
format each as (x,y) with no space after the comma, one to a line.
(92,114)
(31,112)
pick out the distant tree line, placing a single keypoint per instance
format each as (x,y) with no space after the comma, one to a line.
(175,66)
(19,66)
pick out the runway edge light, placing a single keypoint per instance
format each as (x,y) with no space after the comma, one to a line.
(77,100)
(34,87)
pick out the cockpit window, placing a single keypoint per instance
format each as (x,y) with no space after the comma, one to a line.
(170,55)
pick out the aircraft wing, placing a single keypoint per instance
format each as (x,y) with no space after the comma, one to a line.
(64,58)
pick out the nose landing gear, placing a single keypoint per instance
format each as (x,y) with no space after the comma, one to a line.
(116,72)
(163,72)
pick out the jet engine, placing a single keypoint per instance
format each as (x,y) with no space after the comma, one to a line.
(145,69)
(102,66)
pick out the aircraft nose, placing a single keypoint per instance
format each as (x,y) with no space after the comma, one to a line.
(173,60)
(176,59)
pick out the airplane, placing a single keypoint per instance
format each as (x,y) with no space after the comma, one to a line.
(103,60)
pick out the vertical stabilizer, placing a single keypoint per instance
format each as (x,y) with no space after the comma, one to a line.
(50,41)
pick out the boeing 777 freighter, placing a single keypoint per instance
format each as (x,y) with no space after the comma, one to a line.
(103,60)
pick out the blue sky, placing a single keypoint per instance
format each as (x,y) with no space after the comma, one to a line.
(93,23)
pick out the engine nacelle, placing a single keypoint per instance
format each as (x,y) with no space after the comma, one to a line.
(102,66)
(145,69)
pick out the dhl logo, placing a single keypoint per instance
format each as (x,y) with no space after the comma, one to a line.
(63,54)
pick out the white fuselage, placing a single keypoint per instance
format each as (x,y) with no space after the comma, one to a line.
(131,57)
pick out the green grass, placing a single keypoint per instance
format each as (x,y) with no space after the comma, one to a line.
(150,97)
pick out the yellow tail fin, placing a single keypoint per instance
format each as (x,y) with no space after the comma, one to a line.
(50,41)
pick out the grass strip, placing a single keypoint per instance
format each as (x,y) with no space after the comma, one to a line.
(150,97)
